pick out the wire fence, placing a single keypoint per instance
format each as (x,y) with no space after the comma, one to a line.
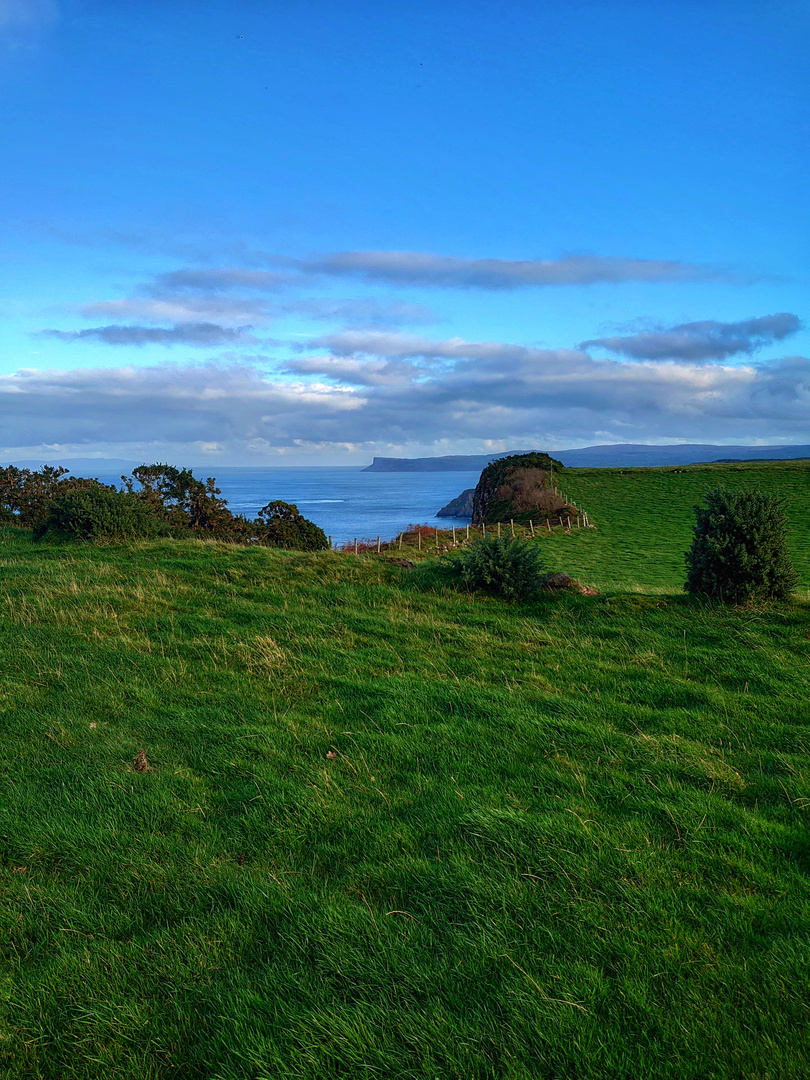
(425,538)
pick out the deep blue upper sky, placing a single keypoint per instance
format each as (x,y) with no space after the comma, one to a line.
(310,232)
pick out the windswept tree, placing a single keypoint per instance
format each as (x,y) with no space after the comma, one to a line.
(284,527)
(184,501)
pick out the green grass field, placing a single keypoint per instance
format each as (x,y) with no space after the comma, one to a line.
(395,830)
(644,520)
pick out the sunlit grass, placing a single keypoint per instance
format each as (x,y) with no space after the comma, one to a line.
(393,829)
(644,520)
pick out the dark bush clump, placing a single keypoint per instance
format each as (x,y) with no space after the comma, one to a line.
(26,494)
(739,551)
(99,512)
(284,527)
(182,500)
(510,568)
(158,500)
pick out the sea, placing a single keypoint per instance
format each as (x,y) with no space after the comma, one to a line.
(346,502)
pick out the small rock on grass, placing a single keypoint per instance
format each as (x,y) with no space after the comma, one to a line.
(561,580)
(140,763)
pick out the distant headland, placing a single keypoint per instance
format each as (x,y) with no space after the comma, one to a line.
(619,455)
(449,463)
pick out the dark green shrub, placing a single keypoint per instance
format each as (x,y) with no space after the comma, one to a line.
(182,500)
(26,494)
(510,568)
(739,551)
(99,512)
(282,526)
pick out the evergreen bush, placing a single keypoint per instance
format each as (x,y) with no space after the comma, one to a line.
(739,551)
(282,526)
(100,513)
(510,568)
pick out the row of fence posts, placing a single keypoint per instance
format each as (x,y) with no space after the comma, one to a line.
(581,522)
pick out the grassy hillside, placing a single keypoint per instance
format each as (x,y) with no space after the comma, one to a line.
(389,831)
(644,520)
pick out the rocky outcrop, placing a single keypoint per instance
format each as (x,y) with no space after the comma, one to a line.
(519,486)
(460,507)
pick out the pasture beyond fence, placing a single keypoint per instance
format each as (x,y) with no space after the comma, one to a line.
(429,538)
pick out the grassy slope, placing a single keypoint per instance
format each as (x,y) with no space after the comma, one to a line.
(644,520)
(566,840)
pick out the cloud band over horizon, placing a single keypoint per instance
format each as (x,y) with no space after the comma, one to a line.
(420,394)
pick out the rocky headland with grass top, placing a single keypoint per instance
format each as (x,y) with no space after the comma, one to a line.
(518,487)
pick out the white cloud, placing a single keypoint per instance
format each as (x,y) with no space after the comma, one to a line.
(199,335)
(428,269)
(179,309)
(485,392)
(363,312)
(708,340)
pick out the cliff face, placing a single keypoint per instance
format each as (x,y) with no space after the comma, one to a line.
(451,463)
(461,506)
(518,487)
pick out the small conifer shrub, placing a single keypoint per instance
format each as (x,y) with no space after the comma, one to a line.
(739,551)
(510,568)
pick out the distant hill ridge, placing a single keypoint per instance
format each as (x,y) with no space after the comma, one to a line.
(607,456)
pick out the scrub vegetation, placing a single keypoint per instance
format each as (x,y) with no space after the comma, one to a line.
(269,813)
(157,500)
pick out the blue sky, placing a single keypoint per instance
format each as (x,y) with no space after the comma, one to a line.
(311,232)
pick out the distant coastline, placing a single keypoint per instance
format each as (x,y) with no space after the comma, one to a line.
(448,463)
(622,455)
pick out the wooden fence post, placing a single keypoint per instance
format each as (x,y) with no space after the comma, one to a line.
(531,526)
(378,545)
(512,527)
(400,541)
(355,545)
(468,532)
(548,525)
(454,535)
(418,539)
(499,530)
(483,528)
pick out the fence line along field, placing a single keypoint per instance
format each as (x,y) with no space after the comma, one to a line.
(306,815)
(634,526)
